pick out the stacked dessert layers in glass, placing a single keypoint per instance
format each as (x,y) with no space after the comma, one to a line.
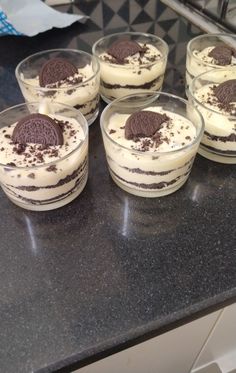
(205,53)
(214,95)
(211,87)
(130,62)
(150,138)
(62,75)
(43,157)
(151,142)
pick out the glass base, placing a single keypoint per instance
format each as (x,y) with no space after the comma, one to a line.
(49,206)
(92,119)
(106,99)
(149,194)
(131,91)
(216,157)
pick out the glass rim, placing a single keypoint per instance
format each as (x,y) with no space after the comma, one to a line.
(29,168)
(193,82)
(147,35)
(202,37)
(47,89)
(156,94)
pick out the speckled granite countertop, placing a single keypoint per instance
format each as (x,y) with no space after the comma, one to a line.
(110,270)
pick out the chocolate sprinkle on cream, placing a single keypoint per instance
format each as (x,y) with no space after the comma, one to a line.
(11,164)
(19,148)
(31,176)
(122,49)
(226,91)
(52,168)
(144,124)
(54,70)
(222,54)
(37,129)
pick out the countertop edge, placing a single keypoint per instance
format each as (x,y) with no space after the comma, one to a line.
(152,330)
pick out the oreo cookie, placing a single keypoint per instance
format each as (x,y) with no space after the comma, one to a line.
(222,54)
(143,124)
(122,49)
(55,70)
(37,129)
(226,91)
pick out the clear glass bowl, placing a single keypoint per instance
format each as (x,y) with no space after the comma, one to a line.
(149,173)
(119,80)
(83,96)
(51,184)
(219,139)
(196,65)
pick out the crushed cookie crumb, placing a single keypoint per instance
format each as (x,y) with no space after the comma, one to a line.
(52,168)
(31,175)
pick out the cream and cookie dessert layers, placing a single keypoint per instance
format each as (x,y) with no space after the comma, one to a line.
(208,52)
(217,104)
(150,152)
(74,84)
(43,160)
(129,66)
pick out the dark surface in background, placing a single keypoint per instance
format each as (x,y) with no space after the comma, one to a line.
(221,11)
(110,268)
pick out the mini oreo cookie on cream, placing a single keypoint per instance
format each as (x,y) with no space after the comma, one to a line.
(222,55)
(55,71)
(129,66)
(37,129)
(44,162)
(201,59)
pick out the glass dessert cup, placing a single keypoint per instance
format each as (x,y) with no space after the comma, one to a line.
(52,184)
(83,96)
(119,80)
(195,65)
(149,173)
(219,139)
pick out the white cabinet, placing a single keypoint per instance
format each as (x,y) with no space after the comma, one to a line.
(172,352)
(220,347)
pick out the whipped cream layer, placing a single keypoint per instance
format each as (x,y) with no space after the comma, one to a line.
(147,167)
(220,121)
(199,61)
(75,91)
(44,177)
(141,71)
